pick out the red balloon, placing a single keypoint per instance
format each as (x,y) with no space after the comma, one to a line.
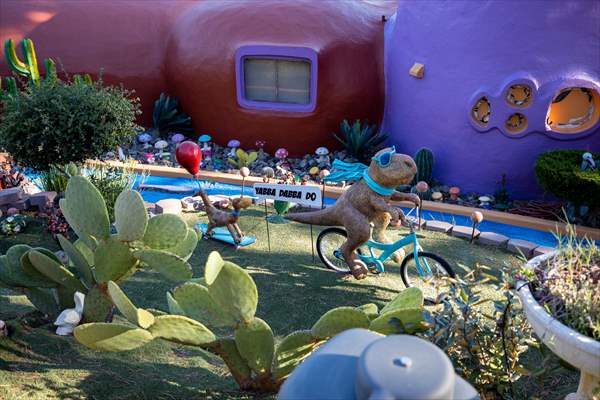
(189,155)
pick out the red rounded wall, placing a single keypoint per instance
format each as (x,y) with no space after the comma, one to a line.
(124,39)
(347,37)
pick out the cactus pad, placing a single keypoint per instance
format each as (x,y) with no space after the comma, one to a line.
(111,337)
(339,319)
(213,266)
(55,271)
(235,292)
(169,265)
(256,345)
(186,247)
(165,231)
(131,217)
(85,251)
(85,208)
(411,297)
(174,307)
(78,259)
(180,329)
(227,350)
(43,300)
(194,301)
(370,309)
(113,260)
(15,274)
(97,306)
(138,316)
(389,322)
(292,350)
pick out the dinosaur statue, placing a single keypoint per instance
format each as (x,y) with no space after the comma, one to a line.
(367,201)
(218,217)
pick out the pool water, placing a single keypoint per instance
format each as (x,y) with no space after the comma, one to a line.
(541,238)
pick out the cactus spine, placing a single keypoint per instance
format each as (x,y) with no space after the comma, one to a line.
(424,161)
(227,297)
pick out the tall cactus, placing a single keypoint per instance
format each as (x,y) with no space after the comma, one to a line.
(28,68)
(11,85)
(163,243)
(424,161)
(227,297)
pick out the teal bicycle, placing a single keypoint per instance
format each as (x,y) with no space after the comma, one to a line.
(419,268)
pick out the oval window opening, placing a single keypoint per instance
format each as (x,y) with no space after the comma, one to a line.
(573,110)
(516,123)
(481,111)
(519,95)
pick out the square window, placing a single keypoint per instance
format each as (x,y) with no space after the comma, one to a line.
(276,78)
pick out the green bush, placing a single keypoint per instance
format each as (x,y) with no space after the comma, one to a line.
(559,173)
(361,142)
(60,122)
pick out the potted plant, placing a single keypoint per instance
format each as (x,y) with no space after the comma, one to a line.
(560,293)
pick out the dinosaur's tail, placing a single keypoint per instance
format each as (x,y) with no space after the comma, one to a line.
(327,216)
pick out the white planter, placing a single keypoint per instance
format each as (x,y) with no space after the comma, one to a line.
(578,350)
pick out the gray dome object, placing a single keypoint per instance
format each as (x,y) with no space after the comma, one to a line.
(360,364)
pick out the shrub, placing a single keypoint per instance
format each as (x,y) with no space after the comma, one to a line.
(361,141)
(111,181)
(167,117)
(59,122)
(559,173)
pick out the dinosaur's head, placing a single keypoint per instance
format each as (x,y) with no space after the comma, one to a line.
(391,169)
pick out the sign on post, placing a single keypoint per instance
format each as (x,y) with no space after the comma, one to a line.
(305,195)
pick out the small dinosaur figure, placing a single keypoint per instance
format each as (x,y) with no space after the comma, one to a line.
(367,201)
(218,217)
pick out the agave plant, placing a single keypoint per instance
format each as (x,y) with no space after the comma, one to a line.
(226,298)
(167,117)
(361,141)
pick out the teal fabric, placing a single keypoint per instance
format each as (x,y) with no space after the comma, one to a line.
(343,171)
(376,187)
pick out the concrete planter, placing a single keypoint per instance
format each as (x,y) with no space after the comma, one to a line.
(578,350)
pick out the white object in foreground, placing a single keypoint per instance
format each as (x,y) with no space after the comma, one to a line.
(578,350)
(71,317)
(3,329)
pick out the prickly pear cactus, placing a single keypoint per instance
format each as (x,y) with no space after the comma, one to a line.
(338,320)
(256,345)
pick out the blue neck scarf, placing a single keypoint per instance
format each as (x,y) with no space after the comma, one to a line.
(343,171)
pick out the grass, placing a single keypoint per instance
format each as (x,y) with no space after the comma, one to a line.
(294,291)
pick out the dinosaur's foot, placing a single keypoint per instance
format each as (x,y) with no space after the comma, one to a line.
(359,270)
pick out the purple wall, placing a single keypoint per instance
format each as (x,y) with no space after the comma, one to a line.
(471,47)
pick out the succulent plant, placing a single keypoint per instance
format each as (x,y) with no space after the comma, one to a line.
(227,297)
(424,161)
(244,159)
(167,117)
(98,257)
(29,68)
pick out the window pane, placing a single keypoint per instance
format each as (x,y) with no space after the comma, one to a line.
(260,79)
(293,81)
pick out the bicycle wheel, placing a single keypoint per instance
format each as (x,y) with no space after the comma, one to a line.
(329,242)
(430,284)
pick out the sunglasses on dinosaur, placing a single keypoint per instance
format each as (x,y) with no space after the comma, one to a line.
(385,159)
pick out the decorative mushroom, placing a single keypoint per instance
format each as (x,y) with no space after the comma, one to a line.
(144,137)
(422,187)
(206,147)
(260,144)
(281,154)
(323,154)
(314,171)
(161,145)
(454,192)
(233,145)
(177,138)
(267,173)
(437,196)
(484,201)
(70,318)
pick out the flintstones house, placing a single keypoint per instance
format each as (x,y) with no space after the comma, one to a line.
(478,94)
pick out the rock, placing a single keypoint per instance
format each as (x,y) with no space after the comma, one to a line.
(492,239)
(438,226)
(12,211)
(42,199)
(191,203)
(519,246)
(538,251)
(11,195)
(168,206)
(21,205)
(464,231)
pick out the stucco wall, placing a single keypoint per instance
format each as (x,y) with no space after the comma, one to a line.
(473,47)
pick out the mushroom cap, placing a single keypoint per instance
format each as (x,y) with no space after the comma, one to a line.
(260,143)
(178,137)
(204,138)
(268,172)
(436,195)
(422,186)
(281,153)
(144,137)
(485,199)
(322,151)
(233,143)
(324,173)
(161,144)
(454,190)
(314,171)
(245,172)
(477,217)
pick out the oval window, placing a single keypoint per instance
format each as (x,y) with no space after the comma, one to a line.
(518,95)
(516,123)
(573,110)
(481,111)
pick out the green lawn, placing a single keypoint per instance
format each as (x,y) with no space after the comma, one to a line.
(294,291)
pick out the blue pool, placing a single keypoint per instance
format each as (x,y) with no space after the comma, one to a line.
(516,232)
